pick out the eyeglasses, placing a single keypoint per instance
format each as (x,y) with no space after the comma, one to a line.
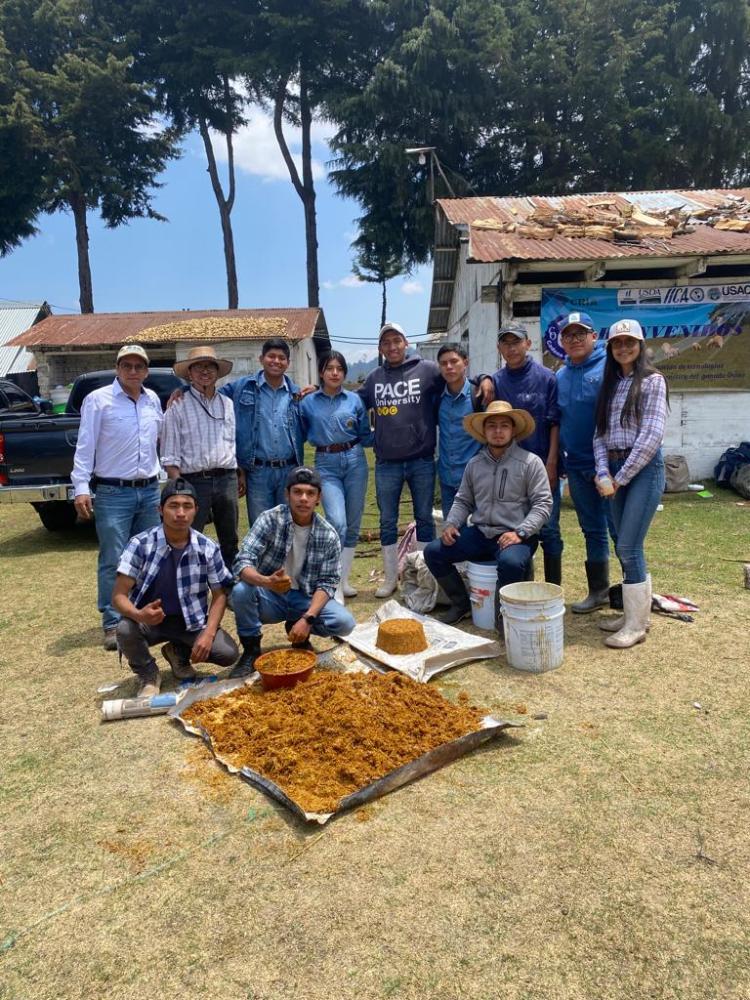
(132,368)
(204,366)
(578,335)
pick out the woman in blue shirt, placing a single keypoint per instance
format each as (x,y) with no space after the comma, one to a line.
(335,421)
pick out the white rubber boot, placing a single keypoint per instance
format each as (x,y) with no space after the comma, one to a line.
(347,558)
(390,565)
(636,600)
(615,624)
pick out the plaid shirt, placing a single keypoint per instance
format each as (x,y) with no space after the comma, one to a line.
(201,569)
(266,545)
(643,437)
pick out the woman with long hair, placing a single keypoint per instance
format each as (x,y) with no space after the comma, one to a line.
(335,421)
(631,415)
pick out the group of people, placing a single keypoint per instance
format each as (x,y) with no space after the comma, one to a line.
(502,440)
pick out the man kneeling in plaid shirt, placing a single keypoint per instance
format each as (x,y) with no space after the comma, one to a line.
(288,570)
(162,586)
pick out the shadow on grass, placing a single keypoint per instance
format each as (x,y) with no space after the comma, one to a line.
(90,638)
(32,543)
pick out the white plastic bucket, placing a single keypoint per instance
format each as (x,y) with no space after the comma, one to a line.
(482,587)
(533,621)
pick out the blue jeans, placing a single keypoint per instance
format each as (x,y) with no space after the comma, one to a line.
(594,515)
(512,563)
(633,508)
(447,496)
(254,606)
(549,536)
(266,488)
(344,476)
(120,512)
(419,474)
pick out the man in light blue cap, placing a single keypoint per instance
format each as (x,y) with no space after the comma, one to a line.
(578,384)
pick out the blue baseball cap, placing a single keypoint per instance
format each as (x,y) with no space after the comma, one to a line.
(577,319)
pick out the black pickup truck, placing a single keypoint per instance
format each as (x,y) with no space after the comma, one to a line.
(37,446)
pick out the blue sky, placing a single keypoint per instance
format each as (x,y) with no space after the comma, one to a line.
(180,264)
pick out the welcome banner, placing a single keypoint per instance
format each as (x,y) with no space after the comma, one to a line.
(698,335)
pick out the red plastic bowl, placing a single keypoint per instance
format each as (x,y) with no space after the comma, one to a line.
(271,680)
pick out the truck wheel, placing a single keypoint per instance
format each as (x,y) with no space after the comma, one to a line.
(56,515)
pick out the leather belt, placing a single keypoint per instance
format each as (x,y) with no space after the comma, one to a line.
(275,463)
(618,454)
(333,449)
(135,484)
(209,474)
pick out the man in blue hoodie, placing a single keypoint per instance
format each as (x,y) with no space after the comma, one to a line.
(529,386)
(578,384)
(404,394)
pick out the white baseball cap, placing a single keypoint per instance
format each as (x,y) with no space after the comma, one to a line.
(626,328)
(135,349)
(387,327)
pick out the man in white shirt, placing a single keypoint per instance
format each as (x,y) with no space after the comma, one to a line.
(198,444)
(116,453)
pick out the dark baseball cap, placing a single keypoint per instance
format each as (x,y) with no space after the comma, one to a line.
(512,329)
(177,487)
(303,475)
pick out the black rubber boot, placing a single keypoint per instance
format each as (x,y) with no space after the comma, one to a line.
(288,626)
(499,624)
(454,589)
(553,569)
(597,574)
(250,653)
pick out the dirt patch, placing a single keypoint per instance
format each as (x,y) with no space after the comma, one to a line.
(336,733)
(137,853)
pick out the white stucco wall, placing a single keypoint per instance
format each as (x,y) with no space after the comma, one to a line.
(245,354)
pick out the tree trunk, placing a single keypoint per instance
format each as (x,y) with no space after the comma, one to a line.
(304,186)
(226,205)
(86,292)
(384,305)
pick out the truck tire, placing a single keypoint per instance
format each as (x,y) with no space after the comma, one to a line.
(56,515)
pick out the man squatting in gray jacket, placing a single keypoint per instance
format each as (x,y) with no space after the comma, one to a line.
(506,490)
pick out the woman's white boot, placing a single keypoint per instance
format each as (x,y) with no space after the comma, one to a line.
(390,565)
(615,624)
(636,602)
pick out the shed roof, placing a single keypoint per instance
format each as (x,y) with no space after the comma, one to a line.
(112,329)
(15,318)
(490,246)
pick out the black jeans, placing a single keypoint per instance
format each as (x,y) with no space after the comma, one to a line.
(217,498)
(134,640)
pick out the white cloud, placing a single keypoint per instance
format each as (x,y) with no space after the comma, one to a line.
(257,152)
(349,281)
(412,288)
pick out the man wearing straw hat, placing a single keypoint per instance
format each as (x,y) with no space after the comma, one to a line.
(506,491)
(198,444)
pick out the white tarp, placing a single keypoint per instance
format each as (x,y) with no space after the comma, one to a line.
(447,646)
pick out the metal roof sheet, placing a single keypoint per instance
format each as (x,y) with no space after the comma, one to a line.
(15,318)
(112,329)
(488,246)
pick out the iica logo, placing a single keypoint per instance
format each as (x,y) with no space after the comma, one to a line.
(551,338)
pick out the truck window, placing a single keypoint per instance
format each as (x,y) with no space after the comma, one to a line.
(18,401)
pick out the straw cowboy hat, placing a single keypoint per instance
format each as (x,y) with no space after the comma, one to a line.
(182,368)
(523,421)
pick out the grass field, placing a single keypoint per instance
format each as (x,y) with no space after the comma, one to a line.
(600,851)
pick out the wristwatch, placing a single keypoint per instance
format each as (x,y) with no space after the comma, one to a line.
(522,534)
(310,619)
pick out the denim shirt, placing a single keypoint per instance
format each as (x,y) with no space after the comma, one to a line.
(456,447)
(336,419)
(254,433)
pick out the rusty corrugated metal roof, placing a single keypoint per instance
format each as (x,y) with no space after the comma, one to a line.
(116,328)
(488,246)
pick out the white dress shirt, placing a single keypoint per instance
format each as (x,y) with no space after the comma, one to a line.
(199,433)
(117,437)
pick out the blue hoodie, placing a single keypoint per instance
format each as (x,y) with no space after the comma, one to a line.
(577,391)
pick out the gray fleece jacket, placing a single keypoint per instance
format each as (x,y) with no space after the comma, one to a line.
(504,495)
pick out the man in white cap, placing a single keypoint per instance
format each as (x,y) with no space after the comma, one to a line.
(404,394)
(116,453)
(198,444)
(506,491)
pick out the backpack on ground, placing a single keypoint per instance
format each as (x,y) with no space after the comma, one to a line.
(677,474)
(729,461)
(740,480)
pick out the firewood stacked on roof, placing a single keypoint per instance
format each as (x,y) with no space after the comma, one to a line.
(208,328)
(610,219)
